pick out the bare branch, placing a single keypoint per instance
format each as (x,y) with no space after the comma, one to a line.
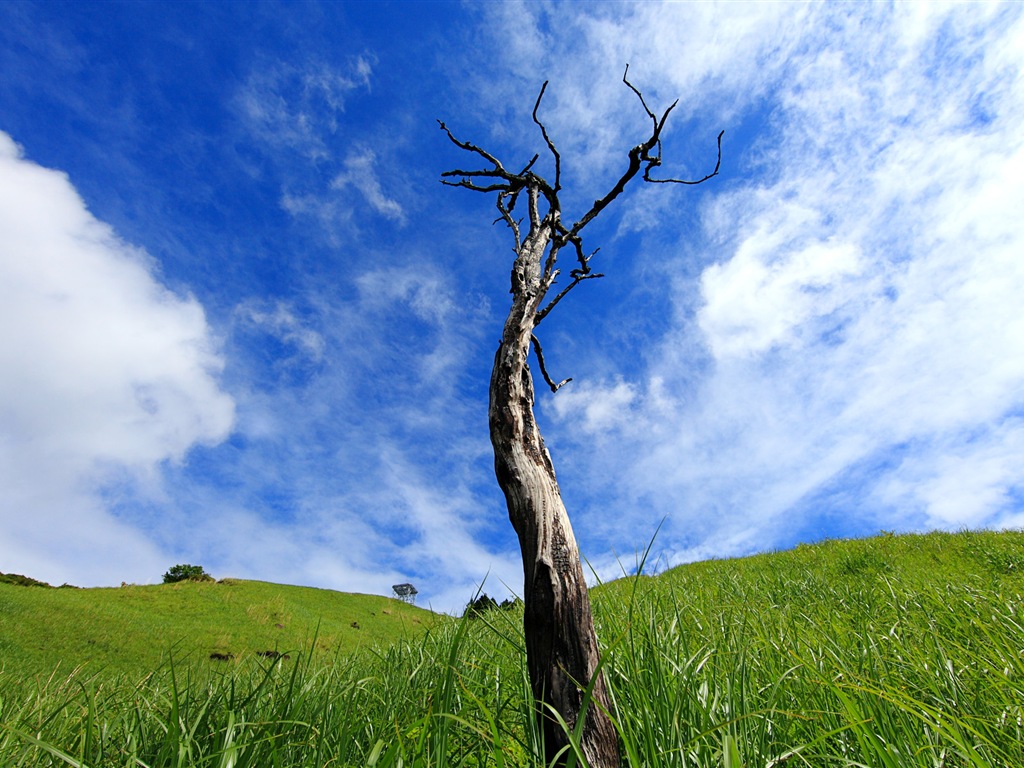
(577,278)
(599,205)
(529,165)
(551,144)
(714,173)
(658,124)
(467,184)
(543,367)
(485,174)
(511,180)
(506,184)
(513,197)
(583,260)
(508,181)
(640,155)
(625,76)
(578,245)
(546,282)
(471,147)
(550,273)
(535,220)
(506,214)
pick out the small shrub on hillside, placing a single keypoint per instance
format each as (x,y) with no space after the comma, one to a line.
(485,603)
(21,581)
(186,573)
(480,605)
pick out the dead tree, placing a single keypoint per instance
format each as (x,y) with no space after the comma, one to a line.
(561,645)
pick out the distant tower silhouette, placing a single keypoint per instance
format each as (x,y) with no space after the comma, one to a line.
(406,593)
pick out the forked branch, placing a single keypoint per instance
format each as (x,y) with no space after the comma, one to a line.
(577,278)
(718,165)
(469,148)
(506,214)
(639,156)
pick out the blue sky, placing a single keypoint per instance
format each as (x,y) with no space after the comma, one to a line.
(242,323)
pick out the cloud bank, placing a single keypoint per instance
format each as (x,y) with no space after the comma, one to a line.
(107,375)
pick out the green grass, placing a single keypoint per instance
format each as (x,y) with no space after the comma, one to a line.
(133,629)
(893,651)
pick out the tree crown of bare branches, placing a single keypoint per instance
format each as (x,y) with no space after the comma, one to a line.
(508,185)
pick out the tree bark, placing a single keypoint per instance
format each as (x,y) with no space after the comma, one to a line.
(561,644)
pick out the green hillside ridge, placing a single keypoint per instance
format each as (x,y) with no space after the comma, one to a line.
(890,652)
(134,628)
(916,561)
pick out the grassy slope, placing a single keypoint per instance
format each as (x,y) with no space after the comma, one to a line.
(132,629)
(890,652)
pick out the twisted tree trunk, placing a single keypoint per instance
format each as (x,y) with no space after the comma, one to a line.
(561,645)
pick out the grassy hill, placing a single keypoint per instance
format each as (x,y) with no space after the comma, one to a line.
(133,629)
(889,652)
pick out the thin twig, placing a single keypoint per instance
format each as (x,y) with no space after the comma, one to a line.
(506,214)
(471,147)
(551,144)
(714,173)
(625,76)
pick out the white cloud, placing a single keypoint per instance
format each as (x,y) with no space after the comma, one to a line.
(362,474)
(596,409)
(444,520)
(966,480)
(105,372)
(424,293)
(771,288)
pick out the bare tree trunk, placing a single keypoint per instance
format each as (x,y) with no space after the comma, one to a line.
(561,645)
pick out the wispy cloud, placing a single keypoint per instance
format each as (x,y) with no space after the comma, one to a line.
(361,174)
(358,449)
(717,61)
(300,107)
(296,113)
(281,321)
